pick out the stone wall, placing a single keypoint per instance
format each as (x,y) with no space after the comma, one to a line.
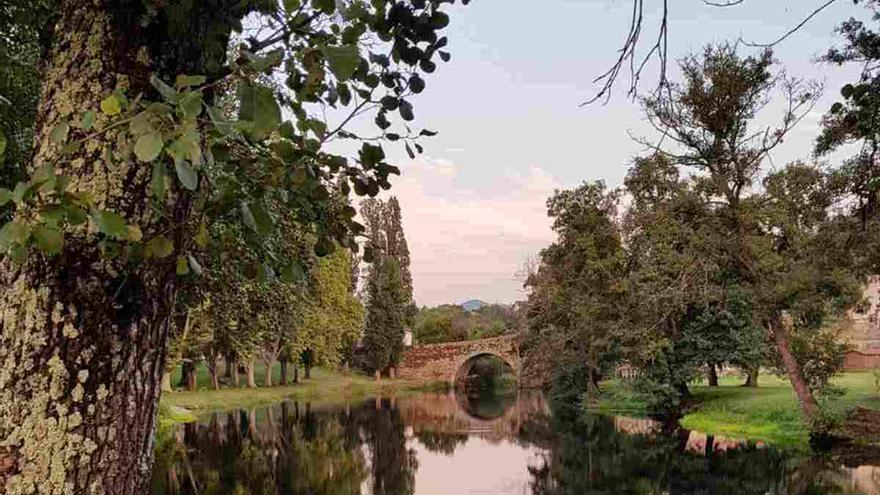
(441,362)
(862,360)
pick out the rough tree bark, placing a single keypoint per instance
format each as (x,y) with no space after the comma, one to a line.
(267,373)
(284,378)
(793,370)
(83,339)
(249,367)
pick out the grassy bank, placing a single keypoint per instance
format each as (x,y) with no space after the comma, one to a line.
(768,413)
(324,386)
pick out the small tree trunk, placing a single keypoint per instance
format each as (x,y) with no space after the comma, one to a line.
(191,378)
(214,370)
(229,365)
(713,375)
(792,368)
(284,372)
(267,373)
(251,382)
(236,377)
(378,375)
(187,371)
(392,372)
(751,378)
(308,368)
(166,381)
(295,372)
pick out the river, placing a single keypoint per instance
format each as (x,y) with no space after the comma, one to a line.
(448,444)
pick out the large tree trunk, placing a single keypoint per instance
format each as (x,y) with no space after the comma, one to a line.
(188,375)
(284,380)
(792,368)
(213,364)
(267,373)
(83,339)
(249,367)
(236,377)
(751,378)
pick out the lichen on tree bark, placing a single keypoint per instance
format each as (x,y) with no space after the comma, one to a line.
(83,337)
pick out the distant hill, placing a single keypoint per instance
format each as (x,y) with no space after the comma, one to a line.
(472,305)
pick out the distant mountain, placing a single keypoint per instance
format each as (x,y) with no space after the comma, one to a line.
(472,305)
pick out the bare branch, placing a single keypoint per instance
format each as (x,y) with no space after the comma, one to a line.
(793,30)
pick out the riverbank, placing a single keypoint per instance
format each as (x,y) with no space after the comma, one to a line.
(324,386)
(768,413)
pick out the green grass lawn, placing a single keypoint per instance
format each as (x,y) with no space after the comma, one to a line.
(323,387)
(769,413)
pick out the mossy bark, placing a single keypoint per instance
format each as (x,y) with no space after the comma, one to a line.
(83,339)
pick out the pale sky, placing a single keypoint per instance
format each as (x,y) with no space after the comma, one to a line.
(511,130)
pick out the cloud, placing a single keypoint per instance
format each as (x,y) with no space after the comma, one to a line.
(469,241)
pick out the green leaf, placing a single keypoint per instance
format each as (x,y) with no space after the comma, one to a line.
(343,60)
(291,5)
(157,181)
(221,123)
(160,247)
(371,154)
(324,246)
(148,147)
(262,219)
(258,106)
(168,93)
(111,224)
(140,124)
(202,236)
(5,237)
(49,239)
(5,196)
(110,106)
(58,134)
(19,232)
(20,191)
(191,104)
(326,6)
(88,120)
(184,81)
(194,264)
(186,174)
(293,273)
(182,266)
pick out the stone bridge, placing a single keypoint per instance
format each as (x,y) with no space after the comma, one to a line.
(452,361)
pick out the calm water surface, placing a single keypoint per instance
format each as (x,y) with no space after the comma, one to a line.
(447,444)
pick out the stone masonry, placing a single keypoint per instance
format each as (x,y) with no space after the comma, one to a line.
(448,361)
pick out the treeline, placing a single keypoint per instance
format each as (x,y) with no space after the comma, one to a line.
(244,313)
(451,323)
(709,256)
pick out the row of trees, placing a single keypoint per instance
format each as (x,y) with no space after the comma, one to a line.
(710,260)
(451,322)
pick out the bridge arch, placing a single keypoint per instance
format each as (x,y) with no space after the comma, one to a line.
(443,362)
(466,364)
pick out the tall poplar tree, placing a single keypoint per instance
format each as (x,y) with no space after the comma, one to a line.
(386,301)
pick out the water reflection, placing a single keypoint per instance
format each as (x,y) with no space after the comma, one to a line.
(448,444)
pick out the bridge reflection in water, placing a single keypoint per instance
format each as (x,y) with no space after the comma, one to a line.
(447,443)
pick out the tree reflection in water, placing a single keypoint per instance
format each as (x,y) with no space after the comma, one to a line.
(370,449)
